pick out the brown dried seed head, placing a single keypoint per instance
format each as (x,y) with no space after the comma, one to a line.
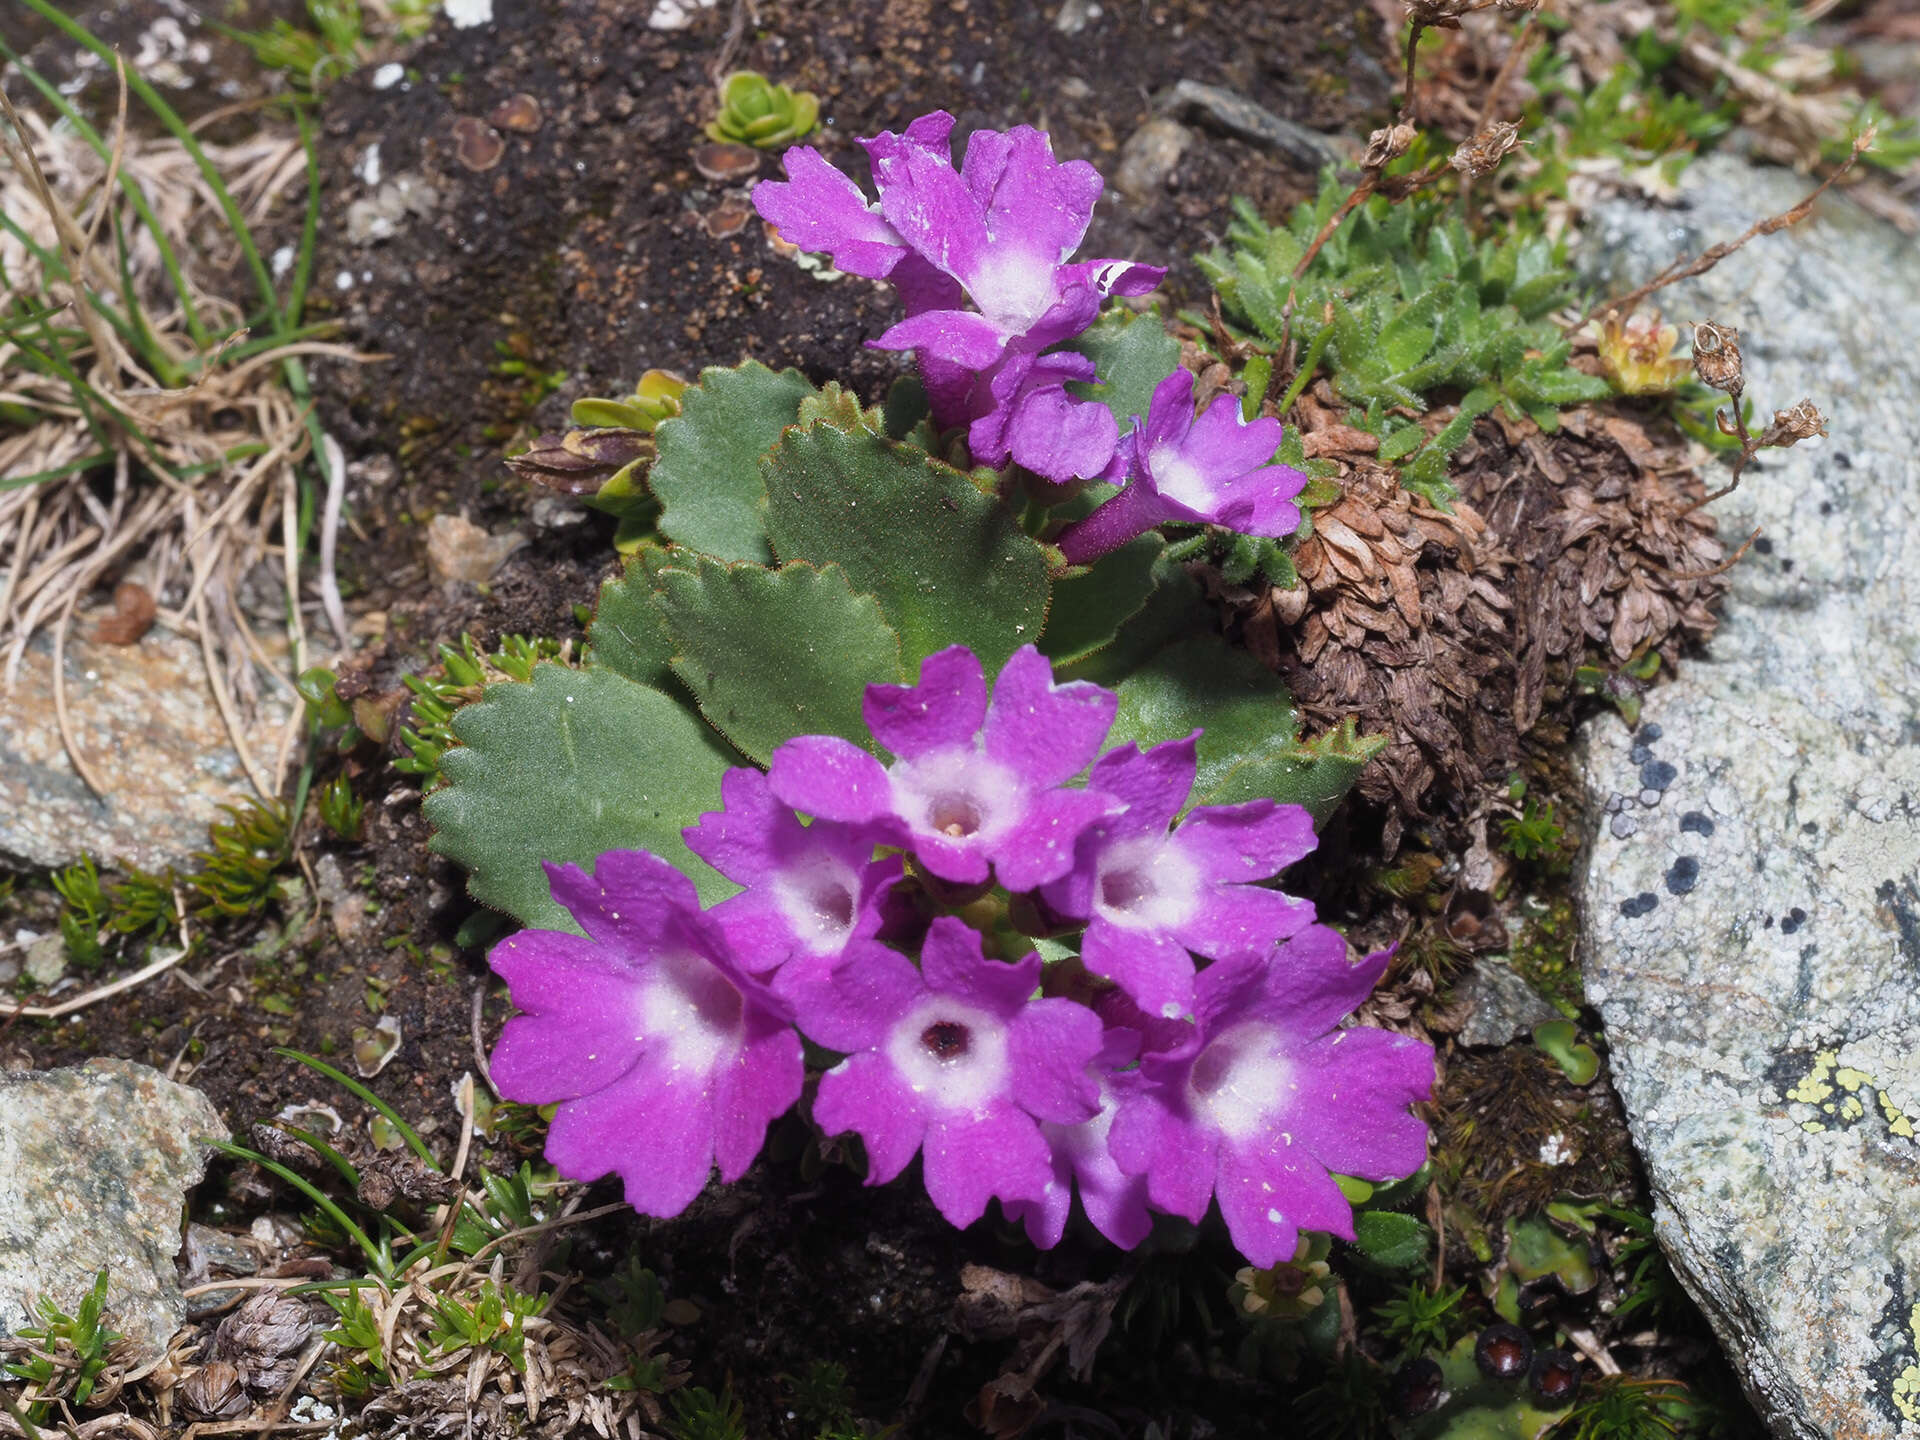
(477,144)
(1716,356)
(580,461)
(517,112)
(214,1390)
(1790,427)
(1388,144)
(1482,154)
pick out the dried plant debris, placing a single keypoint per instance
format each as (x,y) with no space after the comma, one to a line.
(1457,633)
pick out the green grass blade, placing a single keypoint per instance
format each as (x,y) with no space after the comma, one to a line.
(333,1212)
(59,472)
(354,1087)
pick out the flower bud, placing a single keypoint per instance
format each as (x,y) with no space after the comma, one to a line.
(1716,356)
(1637,354)
(1481,155)
(1387,145)
(580,461)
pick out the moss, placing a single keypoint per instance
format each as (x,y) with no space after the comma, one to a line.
(1543,951)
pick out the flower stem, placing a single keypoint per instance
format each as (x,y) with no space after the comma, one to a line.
(1130,513)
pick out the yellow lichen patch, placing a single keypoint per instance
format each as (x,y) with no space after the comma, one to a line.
(1850,1079)
(1816,1085)
(1906,1385)
(1898,1121)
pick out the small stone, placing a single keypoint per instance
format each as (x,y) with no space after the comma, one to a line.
(477,145)
(458,549)
(1074,88)
(726,164)
(127,1140)
(1621,826)
(389,75)
(1253,123)
(46,961)
(465,14)
(1073,16)
(1149,157)
(520,113)
(1504,1004)
(676,14)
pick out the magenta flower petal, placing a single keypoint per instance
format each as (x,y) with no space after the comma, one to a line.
(946,1067)
(851,1006)
(1030,418)
(1270,1093)
(1319,986)
(651,1127)
(966,793)
(831,779)
(811,889)
(1268,1196)
(818,208)
(1052,1041)
(960,337)
(1150,897)
(1034,204)
(945,708)
(650,1034)
(566,1042)
(1115,1202)
(761,1085)
(864,1094)
(1047,732)
(971,1157)
(1213,470)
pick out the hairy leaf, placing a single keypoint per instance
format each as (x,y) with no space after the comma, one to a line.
(1133,353)
(947,563)
(564,768)
(707,473)
(1089,608)
(771,654)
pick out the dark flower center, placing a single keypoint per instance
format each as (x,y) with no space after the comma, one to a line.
(956,815)
(1124,889)
(834,905)
(945,1039)
(1211,1068)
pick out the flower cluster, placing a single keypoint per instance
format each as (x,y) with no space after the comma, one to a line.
(998,233)
(669,1036)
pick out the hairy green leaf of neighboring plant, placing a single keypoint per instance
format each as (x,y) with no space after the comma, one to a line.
(1089,609)
(947,563)
(564,767)
(629,630)
(771,654)
(1133,353)
(1391,1239)
(707,472)
(1250,749)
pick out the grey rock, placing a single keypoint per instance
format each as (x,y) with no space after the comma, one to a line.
(46,960)
(1505,1006)
(145,718)
(1754,949)
(1074,16)
(94,1165)
(1149,157)
(1255,124)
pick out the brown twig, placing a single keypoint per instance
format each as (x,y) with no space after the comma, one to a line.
(1720,569)
(1509,67)
(736,31)
(1714,254)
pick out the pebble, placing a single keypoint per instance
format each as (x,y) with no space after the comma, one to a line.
(1253,123)
(1148,158)
(388,76)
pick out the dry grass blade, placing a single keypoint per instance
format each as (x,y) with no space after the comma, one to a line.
(101,375)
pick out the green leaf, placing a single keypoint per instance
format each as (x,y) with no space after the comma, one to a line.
(1089,608)
(1250,750)
(771,654)
(707,472)
(629,629)
(1391,1239)
(1175,610)
(564,768)
(947,563)
(1133,355)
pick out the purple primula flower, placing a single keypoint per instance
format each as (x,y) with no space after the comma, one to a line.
(1211,470)
(1115,1203)
(665,1057)
(974,784)
(955,1059)
(1150,897)
(998,232)
(1268,1097)
(812,890)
